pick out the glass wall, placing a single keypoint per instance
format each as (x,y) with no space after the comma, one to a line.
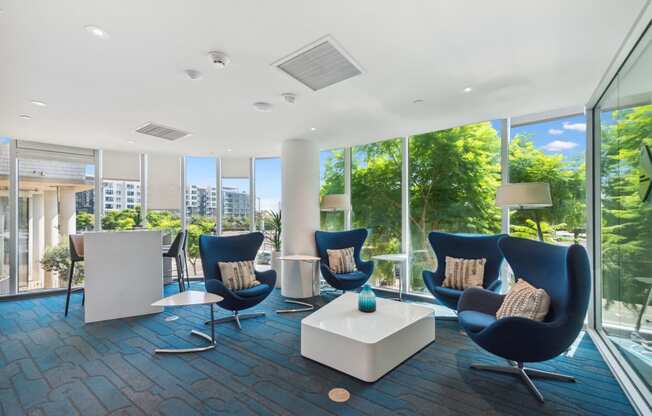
(268,202)
(201,205)
(235,206)
(623,130)
(376,203)
(164,195)
(453,177)
(331,182)
(553,152)
(121,190)
(4,216)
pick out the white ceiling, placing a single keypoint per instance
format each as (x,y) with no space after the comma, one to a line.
(519,57)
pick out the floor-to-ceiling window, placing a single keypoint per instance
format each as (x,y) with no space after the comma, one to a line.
(267,202)
(331,182)
(235,206)
(4,216)
(623,130)
(164,195)
(376,203)
(551,151)
(201,205)
(453,177)
(121,191)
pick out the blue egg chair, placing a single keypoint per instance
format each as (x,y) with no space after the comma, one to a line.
(564,273)
(339,240)
(466,246)
(242,247)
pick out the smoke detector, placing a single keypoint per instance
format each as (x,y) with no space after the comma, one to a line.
(289,98)
(219,59)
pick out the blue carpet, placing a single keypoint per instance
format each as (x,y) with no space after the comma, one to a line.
(53,365)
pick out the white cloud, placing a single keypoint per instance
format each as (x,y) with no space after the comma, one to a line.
(575,126)
(555,132)
(559,146)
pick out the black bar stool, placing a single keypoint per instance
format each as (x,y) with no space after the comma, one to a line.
(176,251)
(76,245)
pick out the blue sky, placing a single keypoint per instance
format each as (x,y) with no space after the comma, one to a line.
(566,136)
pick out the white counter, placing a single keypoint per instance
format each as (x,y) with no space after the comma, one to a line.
(123,274)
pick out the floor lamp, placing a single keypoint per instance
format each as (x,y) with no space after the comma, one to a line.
(527,195)
(334,202)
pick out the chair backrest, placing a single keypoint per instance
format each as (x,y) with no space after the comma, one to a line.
(564,273)
(214,249)
(178,244)
(76,246)
(326,240)
(469,246)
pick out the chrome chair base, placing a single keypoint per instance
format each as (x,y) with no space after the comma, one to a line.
(237,317)
(308,307)
(526,374)
(210,338)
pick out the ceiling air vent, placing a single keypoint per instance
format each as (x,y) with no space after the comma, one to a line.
(162,132)
(319,64)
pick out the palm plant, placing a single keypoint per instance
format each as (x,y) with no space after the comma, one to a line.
(275,236)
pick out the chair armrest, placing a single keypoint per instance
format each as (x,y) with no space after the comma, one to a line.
(216,287)
(366,267)
(268,277)
(432,279)
(495,286)
(480,300)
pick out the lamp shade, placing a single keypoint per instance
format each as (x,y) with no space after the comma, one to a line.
(334,202)
(524,195)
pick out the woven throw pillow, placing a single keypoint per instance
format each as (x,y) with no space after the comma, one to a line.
(341,261)
(238,275)
(525,301)
(463,273)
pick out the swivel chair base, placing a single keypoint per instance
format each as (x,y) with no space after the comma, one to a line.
(237,317)
(525,374)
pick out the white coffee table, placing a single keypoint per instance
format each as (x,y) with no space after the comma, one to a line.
(366,345)
(187,298)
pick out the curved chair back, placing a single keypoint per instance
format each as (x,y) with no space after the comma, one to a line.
(326,240)
(76,247)
(468,246)
(214,249)
(178,244)
(562,271)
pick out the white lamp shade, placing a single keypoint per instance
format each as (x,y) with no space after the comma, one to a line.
(334,202)
(524,195)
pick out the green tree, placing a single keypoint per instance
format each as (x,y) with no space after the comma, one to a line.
(126,219)
(84,221)
(197,227)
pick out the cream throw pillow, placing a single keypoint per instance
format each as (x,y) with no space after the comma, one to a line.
(463,273)
(238,275)
(525,301)
(341,261)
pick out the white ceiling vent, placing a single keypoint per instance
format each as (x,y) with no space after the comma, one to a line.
(162,132)
(319,64)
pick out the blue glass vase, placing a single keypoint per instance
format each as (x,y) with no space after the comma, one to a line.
(366,299)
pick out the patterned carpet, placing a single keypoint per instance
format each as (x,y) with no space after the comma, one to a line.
(50,365)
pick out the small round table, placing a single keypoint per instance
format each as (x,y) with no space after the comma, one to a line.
(400,268)
(315,281)
(187,298)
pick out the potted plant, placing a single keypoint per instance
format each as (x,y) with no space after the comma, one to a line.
(275,239)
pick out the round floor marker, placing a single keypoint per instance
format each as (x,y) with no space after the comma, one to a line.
(171,318)
(339,395)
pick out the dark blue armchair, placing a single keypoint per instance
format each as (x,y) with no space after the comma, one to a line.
(464,246)
(235,248)
(339,240)
(564,273)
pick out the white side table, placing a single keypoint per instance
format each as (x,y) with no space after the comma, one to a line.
(286,290)
(400,261)
(187,298)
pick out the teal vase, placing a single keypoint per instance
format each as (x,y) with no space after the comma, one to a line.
(366,299)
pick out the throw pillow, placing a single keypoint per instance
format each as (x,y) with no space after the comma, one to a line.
(463,273)
(341,261)
(238,275)
(525,301)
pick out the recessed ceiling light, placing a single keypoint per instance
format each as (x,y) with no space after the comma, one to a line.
(468,89)
(25,116)
(193,74)
(263,107)
(39,103)
(97,31)
(417,101)
(313,128)
(131,141)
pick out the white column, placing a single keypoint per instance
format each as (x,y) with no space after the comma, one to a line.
(50,229)
(300,208)
(68,219)
(38,240)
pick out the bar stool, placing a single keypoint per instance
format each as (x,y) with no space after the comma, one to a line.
(176,251)
(76,246)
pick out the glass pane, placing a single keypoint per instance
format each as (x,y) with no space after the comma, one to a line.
(201,205)
(4,216)
(454,175)
(54,199)
(331,181)
(235,206)
(624,118)
(552,152)
(268,203)
(376,203)
(121,205)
